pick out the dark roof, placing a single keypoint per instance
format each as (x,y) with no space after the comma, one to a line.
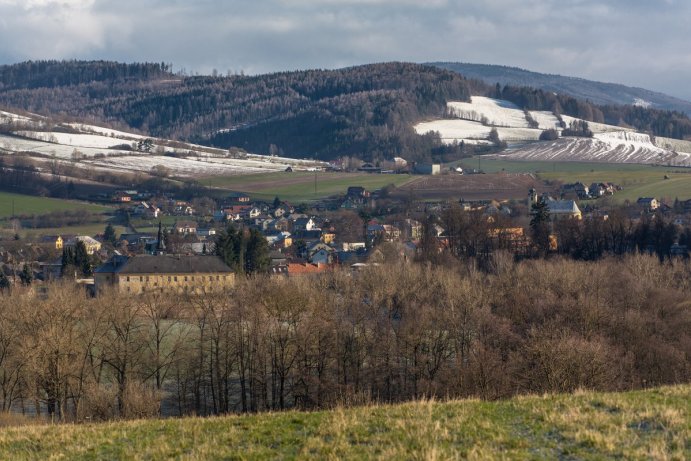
(165,264)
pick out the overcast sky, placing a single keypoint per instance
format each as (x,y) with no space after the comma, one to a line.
(644,43)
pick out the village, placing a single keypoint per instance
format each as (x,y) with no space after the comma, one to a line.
(351,231)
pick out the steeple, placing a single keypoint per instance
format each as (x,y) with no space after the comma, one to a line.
(160,244)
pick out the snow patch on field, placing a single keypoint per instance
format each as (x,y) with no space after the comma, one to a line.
(473,132)
(105,131)
(546,120)
(609,148)
(455,129)
(596,127)
(189,167)
(495,112)
(72,139)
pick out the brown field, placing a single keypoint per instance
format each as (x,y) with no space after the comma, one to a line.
(500,186)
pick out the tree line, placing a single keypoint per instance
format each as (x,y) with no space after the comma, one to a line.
(387,334)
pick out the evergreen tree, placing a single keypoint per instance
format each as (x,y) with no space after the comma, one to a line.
(82,260)
(4,282)
(109,234)
(257,257)
(244,252)
(68,261)
(539,225)
(26,275)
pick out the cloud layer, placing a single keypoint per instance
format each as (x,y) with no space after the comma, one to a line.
(635,42)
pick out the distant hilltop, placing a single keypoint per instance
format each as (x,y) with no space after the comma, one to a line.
(596,92)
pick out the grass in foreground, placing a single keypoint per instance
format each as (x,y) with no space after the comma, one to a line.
(299,186)
(653,424)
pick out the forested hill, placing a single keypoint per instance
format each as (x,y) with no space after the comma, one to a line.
(598,92)
(367,111)
(52,74)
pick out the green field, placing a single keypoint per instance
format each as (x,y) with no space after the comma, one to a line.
(637,180)
(652,424)
(24,205)
(300,186)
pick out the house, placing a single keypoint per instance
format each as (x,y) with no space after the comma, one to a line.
(239,197)
(146,210)
(55,241)
(307,224)
(320,253)
(427,168)
(122,197)
(357,192)
(210,232)
(560,209)
(164,273)
(580,190)
(649,203)
(303,269)
(91,244)
(386,232)
(185,227)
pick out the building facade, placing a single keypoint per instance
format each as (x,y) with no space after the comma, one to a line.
(174,274)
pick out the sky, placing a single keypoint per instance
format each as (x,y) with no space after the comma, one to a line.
(643,43)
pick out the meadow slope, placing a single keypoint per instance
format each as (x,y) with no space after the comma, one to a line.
(650,424)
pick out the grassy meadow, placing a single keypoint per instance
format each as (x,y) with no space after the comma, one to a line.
(637,180)
(30,205)
(299,186)
(651,424)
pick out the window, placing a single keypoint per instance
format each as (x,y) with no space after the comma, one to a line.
(147,278)
(169,278)
(185,278)
(176,278)
(141,278)
(128,278)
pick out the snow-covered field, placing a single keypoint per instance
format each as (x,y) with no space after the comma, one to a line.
(606,147)
(493,112)
(546,120)
(93,148)
(105,131)
(596,127)
(455,129)
(611,144)
(74,140)
(188,167)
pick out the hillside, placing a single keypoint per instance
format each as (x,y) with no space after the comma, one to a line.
(651,424)
(364,111)
(524,130)
(597,92)
(78,150)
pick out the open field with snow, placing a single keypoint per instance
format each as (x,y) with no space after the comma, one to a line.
(490,111)
(610,144)
(77,145)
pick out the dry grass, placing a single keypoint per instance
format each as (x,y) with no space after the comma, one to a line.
(652,424)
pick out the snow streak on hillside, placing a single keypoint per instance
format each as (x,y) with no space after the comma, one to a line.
(618,147)
(89,146)
(612,144)
(490,111)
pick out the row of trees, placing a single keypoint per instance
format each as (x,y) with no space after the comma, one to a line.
(390,334)
(471,235)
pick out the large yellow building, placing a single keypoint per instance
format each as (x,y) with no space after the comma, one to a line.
(175,274)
